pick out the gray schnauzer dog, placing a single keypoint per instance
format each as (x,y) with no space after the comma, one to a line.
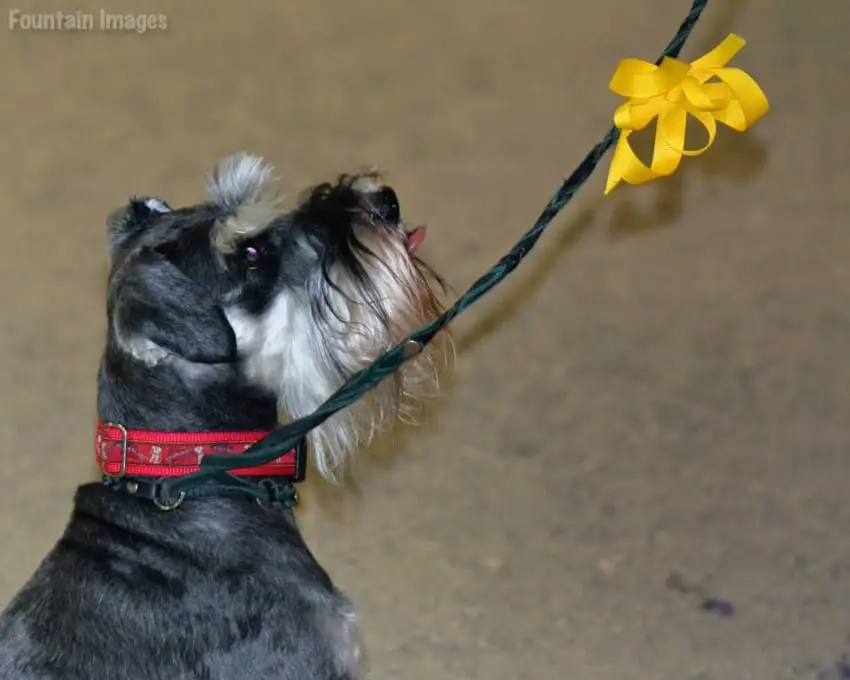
(220,316)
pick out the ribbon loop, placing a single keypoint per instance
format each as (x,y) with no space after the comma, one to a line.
(706,89)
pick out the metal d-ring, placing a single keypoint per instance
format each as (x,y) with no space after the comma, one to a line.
(173,505)
(163,504)
(276,495)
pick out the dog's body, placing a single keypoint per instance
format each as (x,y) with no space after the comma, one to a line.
(218,315)
(220,589)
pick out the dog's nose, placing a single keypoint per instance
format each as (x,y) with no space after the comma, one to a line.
(387,205)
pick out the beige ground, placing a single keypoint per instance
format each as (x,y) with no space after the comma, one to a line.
(661,390)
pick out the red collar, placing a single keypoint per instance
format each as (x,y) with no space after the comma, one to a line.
(151,453)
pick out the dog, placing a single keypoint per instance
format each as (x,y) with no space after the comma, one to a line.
(220,317)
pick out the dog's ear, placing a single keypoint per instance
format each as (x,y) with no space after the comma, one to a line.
(159,311)
(127,222)
(241,186)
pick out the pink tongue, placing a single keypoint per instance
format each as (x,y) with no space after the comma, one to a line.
(415,238)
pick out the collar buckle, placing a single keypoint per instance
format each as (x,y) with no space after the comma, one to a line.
(300,461)
(122,471)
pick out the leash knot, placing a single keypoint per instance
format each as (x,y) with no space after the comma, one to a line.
(670,92)
(276,496)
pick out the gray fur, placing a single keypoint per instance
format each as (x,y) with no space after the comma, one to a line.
(242,186)
(219,589)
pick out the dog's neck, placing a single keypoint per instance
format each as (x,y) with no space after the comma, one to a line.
(160,421)
(176,396)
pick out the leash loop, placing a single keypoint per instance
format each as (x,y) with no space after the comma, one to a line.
(278,496)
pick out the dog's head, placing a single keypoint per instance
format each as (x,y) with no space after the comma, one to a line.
(296,301)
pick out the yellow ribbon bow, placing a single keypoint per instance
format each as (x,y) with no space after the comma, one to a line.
(671,91)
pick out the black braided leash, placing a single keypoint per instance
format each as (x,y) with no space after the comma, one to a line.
(271,493)
(214,469)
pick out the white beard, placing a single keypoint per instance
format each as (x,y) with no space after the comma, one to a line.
(310,340)
(304,356)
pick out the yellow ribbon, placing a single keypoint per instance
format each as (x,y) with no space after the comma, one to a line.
(671,91)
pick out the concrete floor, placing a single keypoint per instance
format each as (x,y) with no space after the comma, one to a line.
(651,412)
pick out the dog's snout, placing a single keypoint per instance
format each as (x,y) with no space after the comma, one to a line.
(387,205)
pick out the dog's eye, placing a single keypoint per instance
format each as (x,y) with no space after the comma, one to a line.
(252,256)
(387,205)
